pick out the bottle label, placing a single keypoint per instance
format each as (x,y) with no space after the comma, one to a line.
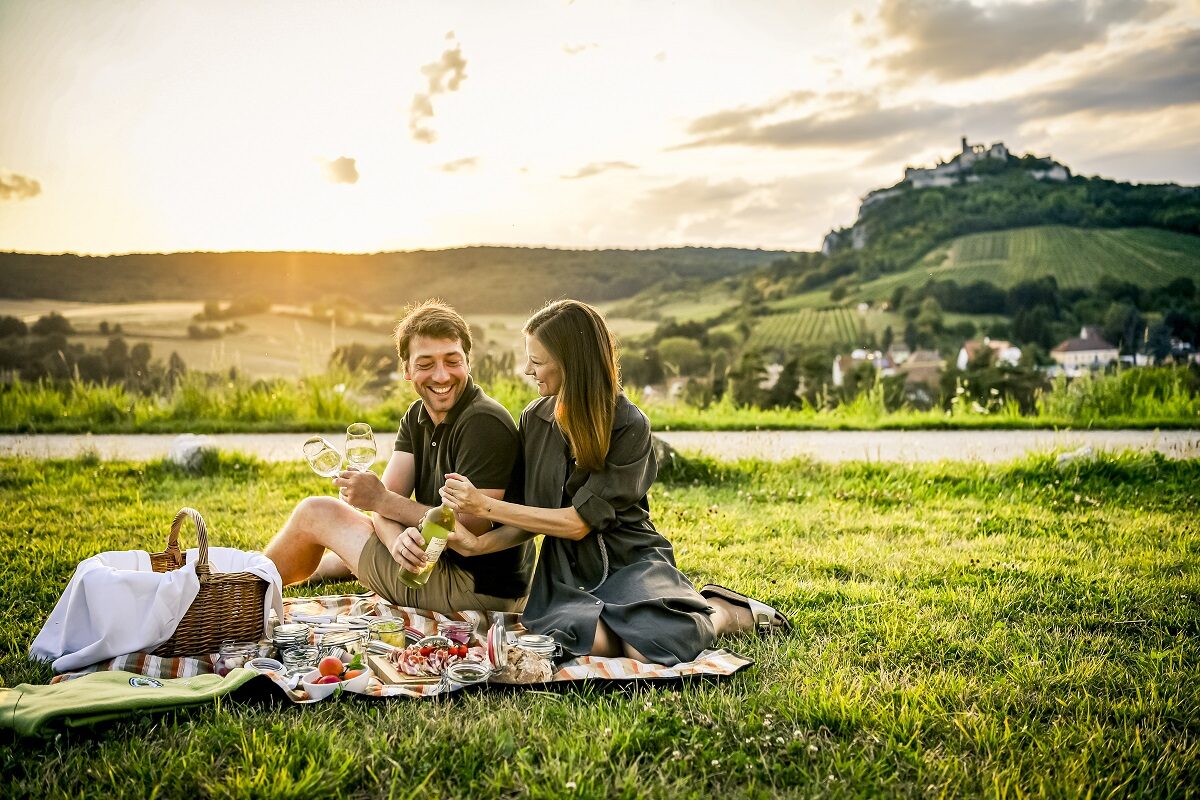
(434,548)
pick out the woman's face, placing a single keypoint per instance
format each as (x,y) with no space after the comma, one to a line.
(541,367)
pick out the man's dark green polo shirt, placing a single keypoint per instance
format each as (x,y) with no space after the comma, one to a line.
(478,440)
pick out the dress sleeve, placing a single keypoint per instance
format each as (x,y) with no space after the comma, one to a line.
(629,471)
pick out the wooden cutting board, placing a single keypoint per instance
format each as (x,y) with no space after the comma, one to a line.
(389,675)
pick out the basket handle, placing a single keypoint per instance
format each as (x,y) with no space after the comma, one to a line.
(201,536)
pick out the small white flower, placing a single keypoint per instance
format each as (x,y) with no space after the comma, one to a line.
(812,748)
(570,784)
(778,740)
(675,754)
(716,762)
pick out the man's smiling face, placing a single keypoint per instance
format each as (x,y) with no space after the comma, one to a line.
(438,369)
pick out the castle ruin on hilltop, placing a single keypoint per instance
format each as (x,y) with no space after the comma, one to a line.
(958,170)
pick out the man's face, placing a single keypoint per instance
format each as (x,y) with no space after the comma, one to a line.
(438,370)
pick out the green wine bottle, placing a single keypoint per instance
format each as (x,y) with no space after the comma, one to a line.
(435,527)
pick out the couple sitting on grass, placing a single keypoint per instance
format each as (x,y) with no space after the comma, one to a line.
(577,471)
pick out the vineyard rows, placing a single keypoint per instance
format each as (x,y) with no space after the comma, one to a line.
(1076,257)
(808,327)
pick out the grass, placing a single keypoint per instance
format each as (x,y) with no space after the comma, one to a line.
(960,630)
(1142,398)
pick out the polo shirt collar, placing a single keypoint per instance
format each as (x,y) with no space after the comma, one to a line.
(464,400)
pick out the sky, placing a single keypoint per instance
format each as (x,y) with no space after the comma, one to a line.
(374,126)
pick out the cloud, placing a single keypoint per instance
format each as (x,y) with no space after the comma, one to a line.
(576,49)
(18,187)
(1160,76)
(846,119)
(1151,76)
(598,167)
(742,116)
(955,39)
(460,165)
(444,75)
(340,170)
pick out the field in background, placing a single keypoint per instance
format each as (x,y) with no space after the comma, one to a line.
(287,342)
(959,630)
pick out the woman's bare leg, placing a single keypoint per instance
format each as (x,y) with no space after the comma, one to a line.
(607,644)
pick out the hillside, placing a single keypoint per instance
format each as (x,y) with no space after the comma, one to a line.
(1078,258)
(475,279)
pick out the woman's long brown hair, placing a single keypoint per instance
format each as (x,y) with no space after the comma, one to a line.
(578,339)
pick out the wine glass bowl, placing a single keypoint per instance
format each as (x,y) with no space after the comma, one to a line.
(322,456)
(360,447)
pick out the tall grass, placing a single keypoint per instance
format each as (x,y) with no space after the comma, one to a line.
(213,402)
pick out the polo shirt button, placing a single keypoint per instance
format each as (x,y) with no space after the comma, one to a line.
(433,444)
(598,602)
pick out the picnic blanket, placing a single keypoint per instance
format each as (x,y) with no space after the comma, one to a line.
(118,686)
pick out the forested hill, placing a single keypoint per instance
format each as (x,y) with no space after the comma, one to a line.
(894,233)
(475,279)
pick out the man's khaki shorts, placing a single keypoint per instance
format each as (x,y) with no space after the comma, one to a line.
(450,588)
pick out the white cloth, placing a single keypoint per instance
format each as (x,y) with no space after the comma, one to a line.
(115,604)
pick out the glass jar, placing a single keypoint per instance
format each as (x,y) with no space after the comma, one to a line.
(538,643)
(234,655)
(389,630)
(335,643)
(459,631)
(300,659)
(289,635)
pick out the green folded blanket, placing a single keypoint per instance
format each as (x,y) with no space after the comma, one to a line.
(32,709)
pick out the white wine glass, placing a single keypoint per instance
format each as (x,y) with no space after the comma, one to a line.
(322,456)
(360,447)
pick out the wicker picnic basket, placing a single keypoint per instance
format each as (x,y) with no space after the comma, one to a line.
(229,606)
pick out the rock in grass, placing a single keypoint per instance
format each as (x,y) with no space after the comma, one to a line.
(1083,454)
(190,451)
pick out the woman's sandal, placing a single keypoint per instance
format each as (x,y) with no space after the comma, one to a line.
(766,619)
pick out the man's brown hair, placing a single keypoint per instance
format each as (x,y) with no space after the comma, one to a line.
(435,320)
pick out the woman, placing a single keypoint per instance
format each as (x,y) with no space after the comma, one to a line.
(606,582)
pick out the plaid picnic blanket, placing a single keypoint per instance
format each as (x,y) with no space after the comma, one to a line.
(329,607)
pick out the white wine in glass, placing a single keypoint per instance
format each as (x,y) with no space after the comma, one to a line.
(323,457)
(360,447)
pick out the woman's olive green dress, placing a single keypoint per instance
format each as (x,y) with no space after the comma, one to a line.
(623,571)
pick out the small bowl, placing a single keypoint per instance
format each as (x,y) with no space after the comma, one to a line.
(319,691)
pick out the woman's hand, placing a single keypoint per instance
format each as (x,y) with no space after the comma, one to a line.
(461,495)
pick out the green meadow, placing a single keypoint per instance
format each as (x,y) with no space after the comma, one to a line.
(959,630)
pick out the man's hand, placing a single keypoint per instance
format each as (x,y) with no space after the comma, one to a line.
(363,490)
(462,541)
(409,550)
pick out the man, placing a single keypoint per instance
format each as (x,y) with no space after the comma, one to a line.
(453,427)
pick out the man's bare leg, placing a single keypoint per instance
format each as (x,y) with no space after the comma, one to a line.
(331,568)
(318,524)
